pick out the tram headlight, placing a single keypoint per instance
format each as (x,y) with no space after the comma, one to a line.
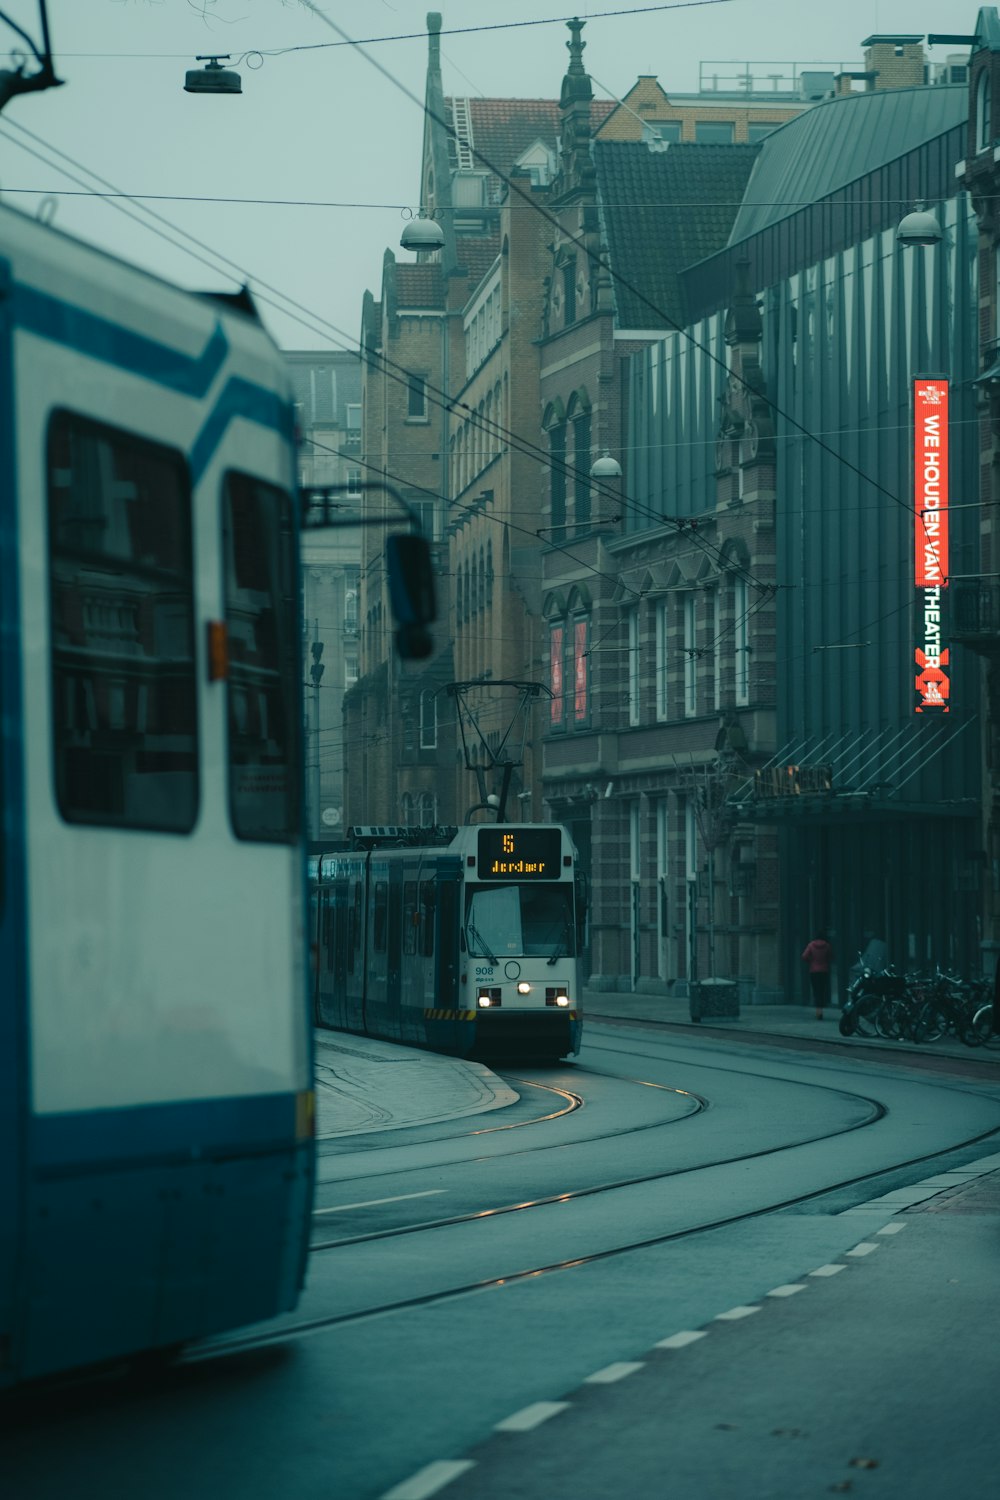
(486,999)
(556,995)
(524,988)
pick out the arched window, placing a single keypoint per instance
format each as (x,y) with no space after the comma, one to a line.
(428,810)
(984,128)
(428,720)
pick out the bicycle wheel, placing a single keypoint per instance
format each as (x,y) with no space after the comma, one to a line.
(927,1024)
(982,1025)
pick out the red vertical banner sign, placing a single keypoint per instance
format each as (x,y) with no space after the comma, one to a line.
(930,549)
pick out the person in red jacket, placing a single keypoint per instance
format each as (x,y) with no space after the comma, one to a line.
(819,956)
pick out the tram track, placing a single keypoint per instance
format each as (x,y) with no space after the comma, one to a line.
(306,1327)
(876,1110)
(879,1111)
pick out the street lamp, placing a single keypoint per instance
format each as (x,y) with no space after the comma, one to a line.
(213,78)
(919,228)
(422,234)
(606,467)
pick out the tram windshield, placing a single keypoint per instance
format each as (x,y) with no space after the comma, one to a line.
(520,921)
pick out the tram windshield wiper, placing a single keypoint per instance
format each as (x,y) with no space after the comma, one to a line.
(477,936)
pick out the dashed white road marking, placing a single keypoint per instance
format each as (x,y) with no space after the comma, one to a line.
(614,1372)
(682,1339)
(734,1313)
(788,1290)
(530,1417)
(830,1270)
(892,1228)
(865,1248)
(342,1208)
(428,1480)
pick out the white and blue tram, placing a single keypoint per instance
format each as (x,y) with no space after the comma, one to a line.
(460,939)
(156,1152)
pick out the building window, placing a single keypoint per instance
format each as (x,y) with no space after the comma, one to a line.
(690,839)
(741,641)
(354,481)
(557,481)
(557,705)
(569,292)
(662,698)
(353,416)
(121,590)
(984,128)
(690,656)
(350,667)
(665,130)
(428,807)
(581,463)
(581,671)
(428,720)
(757,130)
(716,647)
(714,132)
(417,398)
(632,636)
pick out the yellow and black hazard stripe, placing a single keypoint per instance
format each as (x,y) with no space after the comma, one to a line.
(450,1015)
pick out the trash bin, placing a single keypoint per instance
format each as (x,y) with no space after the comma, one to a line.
(715,997)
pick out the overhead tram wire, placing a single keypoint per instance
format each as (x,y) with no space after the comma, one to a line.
(393,370)
(597,260)
(419,36)
(316,323)
(313,322)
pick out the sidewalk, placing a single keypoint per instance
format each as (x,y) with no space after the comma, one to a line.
(364,1086)
(768,1021)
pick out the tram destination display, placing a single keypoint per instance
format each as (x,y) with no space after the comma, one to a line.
(519,853)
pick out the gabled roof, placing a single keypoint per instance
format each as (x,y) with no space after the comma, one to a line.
(987,30)
(419,286)
(502,129)
(839,141)
(662,211)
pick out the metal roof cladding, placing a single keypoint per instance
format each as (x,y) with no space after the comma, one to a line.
(839,141)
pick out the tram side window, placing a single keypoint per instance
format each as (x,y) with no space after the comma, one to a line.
(354,925)
(259,542)
(427,905)
(121,591)
(379,916)
(411,916)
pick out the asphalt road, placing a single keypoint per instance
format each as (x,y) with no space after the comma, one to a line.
(468,1270)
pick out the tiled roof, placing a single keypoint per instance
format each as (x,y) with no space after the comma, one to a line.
(503,129)
(476,253)
(662,211)
(419,286)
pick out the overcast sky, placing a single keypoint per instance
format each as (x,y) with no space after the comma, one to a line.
(317,123)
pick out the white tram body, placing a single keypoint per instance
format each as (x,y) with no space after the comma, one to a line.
(461,939)
(155,1047)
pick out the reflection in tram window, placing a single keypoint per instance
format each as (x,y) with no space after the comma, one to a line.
(518,920)
(263,676)
(124,715)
